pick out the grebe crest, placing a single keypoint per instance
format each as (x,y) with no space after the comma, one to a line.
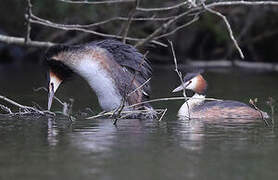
(111,68)
(197,108)
(196,83)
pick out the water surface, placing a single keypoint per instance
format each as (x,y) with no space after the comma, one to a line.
(57,148)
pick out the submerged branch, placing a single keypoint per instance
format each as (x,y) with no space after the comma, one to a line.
(127,113)
(26,109)
(6,109)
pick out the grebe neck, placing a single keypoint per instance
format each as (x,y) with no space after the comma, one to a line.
(190,104)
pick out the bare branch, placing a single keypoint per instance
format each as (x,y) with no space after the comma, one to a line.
(253,103)
(228,28)
(153,18)
(6,109)
(163,114)
(170,99)
(138,88)
(162,8)
(245,3)
(140,41)
(67,106)
(180,76)
(196,18)
(55,97)
(199,8)
(97,2)
(28,24)
(162,28)
(25,108)
(176,68)
(21,42)
(126,113)
(63,27)
(128,23)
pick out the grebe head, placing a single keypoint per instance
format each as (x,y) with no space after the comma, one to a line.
(194,82)
(58,71)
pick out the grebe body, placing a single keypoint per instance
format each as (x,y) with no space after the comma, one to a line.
(198,108)
(111,68)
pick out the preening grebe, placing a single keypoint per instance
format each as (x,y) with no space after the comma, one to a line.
(111,68)
(197,108)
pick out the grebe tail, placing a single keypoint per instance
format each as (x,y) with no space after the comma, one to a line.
(197,108)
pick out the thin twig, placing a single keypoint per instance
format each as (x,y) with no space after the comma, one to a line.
(170,99)
(246,3)
(153,18)
(21,42)
(25,108)
(118,111)
(62,27)
(6,109)
(125,113)
(28,24)
(180,76)
(252,102)
(55,97)
(271,103)
(228,28)
(176,67)
(163,114)
(196,18)
(128,23)
(139,87)
(162,8)
(97,2)
(163,27)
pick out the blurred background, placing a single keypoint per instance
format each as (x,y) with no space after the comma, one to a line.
(255,28)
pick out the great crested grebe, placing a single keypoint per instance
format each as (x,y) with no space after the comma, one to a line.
(111,68)
(197,108)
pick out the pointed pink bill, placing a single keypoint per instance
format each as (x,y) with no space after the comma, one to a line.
(179,88)
(182,86)
(54,83)
(50,95)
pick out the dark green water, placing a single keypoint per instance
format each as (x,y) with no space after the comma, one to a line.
(45,148)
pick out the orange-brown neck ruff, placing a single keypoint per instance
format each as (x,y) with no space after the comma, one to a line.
(201,86)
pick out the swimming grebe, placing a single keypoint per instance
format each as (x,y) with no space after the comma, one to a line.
(197,108)
(111,68)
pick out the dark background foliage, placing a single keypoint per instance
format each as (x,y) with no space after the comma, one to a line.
(255,28)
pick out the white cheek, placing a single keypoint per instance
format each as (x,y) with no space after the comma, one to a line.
(55,81)
(193,84)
